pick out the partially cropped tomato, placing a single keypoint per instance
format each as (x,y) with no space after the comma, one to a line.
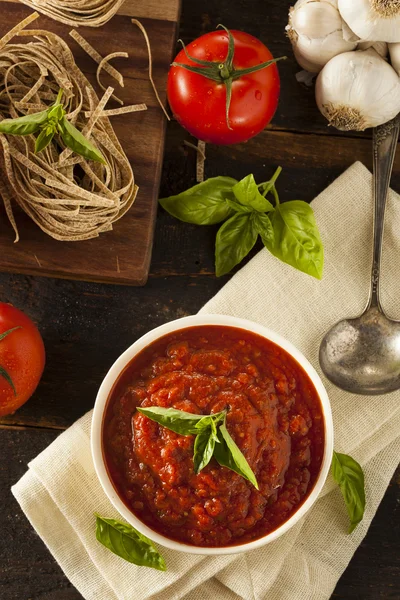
(22,358)
(223,88)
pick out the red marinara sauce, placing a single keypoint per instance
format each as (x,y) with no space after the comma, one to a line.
(274,416)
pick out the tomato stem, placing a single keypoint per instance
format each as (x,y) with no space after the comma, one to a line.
(6,333)
(3,372)
(228,84)
(7,377)
(225,72)
(240,72)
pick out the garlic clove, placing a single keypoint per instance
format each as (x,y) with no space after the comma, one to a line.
(372,20)
(394,51)
(315,30)
(313,54)
(316,20)
(380,47)
(305,57)
(348,34)
(357,90)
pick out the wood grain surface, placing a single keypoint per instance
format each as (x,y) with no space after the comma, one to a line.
(149,9)
(87,325)
(123,255)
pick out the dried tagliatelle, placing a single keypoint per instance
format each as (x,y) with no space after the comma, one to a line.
(67,196)
(91,13)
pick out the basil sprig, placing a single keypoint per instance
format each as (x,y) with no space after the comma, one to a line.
(128,543)
(47,124)
(289,230)
(212,438)
(349,475)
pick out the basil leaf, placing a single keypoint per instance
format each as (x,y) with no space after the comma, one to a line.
(124,541)
(203,204)
(24,125)
(235,238)
(211,421)
(179,421)
(229,455)
(263,226)
(7,377)
(237,207)
(77,142)
(204,423)
(247,193)
(203,449)
(349,475)
(296,238)
(214,423)
(44,138)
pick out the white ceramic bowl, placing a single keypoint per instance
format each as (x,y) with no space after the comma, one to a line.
(118,367)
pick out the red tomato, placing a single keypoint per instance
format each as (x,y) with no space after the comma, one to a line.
(21,356)
(199,103)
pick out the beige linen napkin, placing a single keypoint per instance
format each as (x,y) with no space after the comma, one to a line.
(60,491)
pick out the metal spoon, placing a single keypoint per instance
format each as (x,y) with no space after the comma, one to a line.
(362,355)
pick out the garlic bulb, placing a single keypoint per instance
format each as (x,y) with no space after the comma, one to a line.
(356,90)
(394,51)
(380,47)
(372,20)
(316,32)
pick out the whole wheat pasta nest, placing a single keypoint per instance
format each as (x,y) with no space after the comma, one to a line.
(92,13)
(67,196)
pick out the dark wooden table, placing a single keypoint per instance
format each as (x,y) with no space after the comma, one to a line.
(86,326)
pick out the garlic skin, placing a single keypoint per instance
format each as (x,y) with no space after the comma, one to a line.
(380,47)
(372,20)
(306,77)
(394,51)
(315,30)
(357,90)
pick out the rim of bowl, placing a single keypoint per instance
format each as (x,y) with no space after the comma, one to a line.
(122,362)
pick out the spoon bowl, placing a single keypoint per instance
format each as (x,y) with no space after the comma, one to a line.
(362,355)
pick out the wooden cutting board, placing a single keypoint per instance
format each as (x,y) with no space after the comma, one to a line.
(122,255)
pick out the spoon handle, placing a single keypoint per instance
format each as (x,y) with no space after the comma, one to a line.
(384,147)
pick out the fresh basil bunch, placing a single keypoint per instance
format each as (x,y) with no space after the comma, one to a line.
(212,438)
(49,122)
(288,230)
